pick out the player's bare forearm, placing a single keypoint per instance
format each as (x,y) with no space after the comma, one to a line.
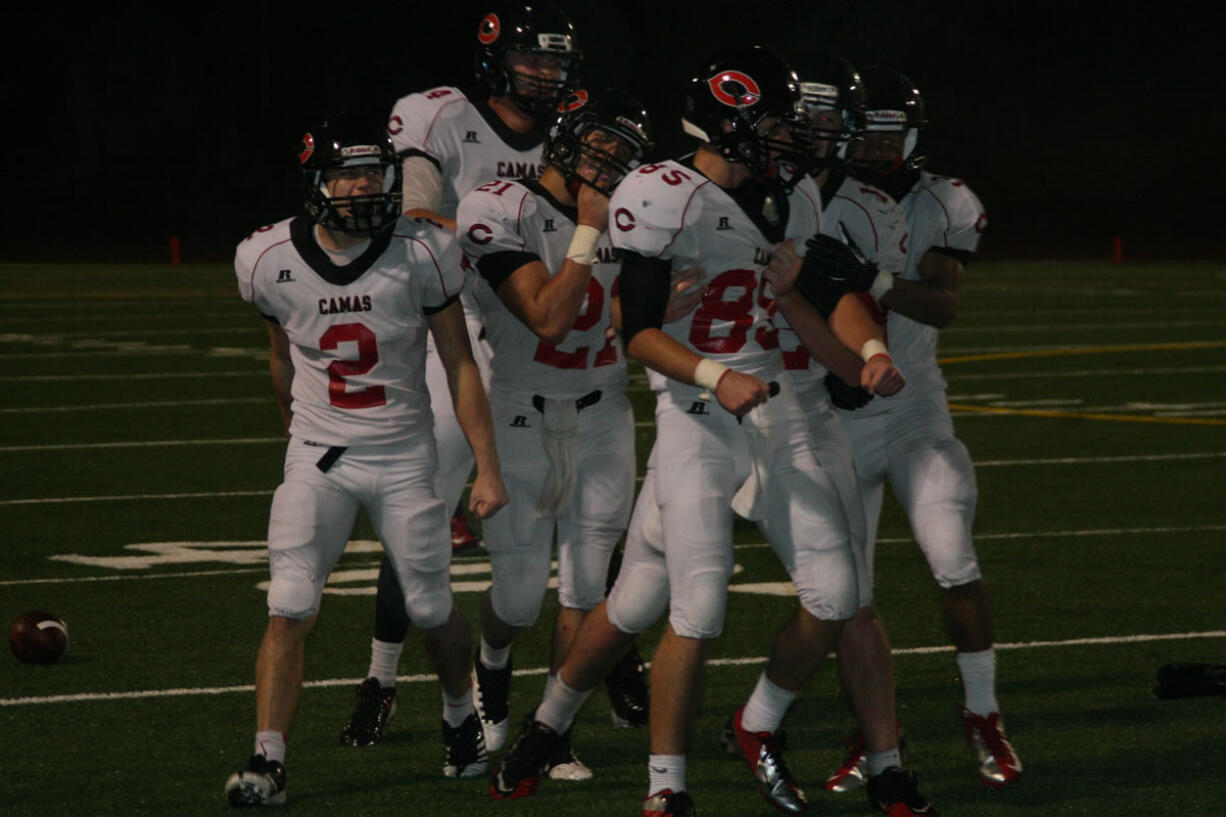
(816,336)
(736,391)
(430,215)
(472,408)
(852,324)
(932,300)
(281,368)
(547,305)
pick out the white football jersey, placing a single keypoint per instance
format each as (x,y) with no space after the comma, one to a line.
(877,225)
(943,213)
(357,332)
(503,225)
(465,138)
(671,211)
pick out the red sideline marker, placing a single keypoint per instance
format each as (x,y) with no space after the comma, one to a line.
(174,251)
(1117,250)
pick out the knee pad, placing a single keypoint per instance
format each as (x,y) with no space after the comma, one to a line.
(429,603)
(639,597)
(699,611)
(583,569)
(293,592)
(520,578)
(828,583)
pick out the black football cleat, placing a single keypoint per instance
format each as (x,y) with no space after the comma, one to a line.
(628,693)
(492,698)
(564,764)
(375,707)
(520,767)
(894,793)
(464,749)
(262,783)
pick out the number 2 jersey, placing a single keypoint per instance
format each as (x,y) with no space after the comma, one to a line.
(501,227)
(670,211)
(357,332)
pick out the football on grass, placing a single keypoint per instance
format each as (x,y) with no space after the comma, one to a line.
(38,638)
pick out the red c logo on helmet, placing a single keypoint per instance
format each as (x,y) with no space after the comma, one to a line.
(487,237)
(573,102)
(624,219)
(307,148)
(734,88)
(489,28)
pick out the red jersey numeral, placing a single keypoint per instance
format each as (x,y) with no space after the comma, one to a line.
(338,370)
(495,188)
(551,355)
(736,311)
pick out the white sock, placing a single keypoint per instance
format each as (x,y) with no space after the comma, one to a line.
(384,659)
(979,681)
(560,704)
(270,744)
(455,710)
(766,707)
(878,762)
(494,657)
(665,772)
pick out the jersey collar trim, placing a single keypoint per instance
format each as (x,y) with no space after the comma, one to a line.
(570,211)
(517,141)
(319,262)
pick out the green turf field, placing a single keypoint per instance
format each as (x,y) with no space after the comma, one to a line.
(140,445)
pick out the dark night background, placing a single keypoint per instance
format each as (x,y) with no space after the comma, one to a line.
(1073,121)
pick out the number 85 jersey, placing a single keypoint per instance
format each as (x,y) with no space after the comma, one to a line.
(672,212)
(357,332)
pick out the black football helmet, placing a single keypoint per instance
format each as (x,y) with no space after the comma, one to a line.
(537,28)
(728,99)
(347,142)
(832,84)
(895,105)
(575,146)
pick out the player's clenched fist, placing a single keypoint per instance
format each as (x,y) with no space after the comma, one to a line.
(881,377)
(488,495)
(738,392)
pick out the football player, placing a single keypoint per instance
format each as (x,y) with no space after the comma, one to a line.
(873,223)
(564,427)
(349,293)
(723,442)
(451,140)
(910,441)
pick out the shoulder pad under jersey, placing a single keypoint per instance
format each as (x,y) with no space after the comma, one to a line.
(415,116)
(652,205)
(253,248)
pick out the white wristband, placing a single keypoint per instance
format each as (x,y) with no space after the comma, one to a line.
(582,249)
(872,348)
(883,284)
(707,374)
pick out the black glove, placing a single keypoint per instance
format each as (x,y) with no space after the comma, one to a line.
(1185,680)
(830,270)
(844,396)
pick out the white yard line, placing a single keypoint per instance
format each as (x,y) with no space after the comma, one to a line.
(145,694)
(471,564)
